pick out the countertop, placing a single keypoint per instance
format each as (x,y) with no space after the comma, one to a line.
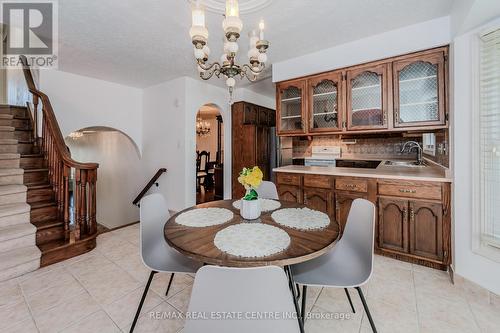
(431,172)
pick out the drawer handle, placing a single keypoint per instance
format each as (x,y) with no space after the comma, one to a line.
(405,190)
(351,186)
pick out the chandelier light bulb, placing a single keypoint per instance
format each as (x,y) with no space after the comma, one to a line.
(232,47)
(262,57)
(231,82)
(198,53)
(261,28)
(253,53)
(232,8)
(198,29)
(206,50)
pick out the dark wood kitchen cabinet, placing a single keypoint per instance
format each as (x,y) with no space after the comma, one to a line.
(291,107)
(325,96)
(393,224)
(426,229)
(367,96)
(251,145)
(413,217)
(398,94)
(319,199)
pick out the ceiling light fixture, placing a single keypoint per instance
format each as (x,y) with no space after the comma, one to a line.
(227,68)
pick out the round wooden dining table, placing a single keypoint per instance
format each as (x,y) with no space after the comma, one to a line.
(197,243)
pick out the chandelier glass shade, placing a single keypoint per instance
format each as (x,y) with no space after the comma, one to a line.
(227,68)
(202,127)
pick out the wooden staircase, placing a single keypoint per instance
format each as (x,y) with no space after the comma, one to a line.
(60,191)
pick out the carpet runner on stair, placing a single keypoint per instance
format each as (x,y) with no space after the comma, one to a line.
(18,251)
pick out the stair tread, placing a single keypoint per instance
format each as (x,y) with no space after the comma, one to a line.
(26,170)
(21,129)
(14,208)
(11,172)
(31,155)
(15,231)
(36,186)
(9,141)
(7,129)
(6,116)
(9,156)
(52,245)
(42,204)
(19,256)
(48,224)
(11,189)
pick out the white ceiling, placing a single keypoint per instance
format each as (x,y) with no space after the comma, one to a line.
(143,42)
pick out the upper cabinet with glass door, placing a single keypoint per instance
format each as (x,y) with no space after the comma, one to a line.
(367,98)
(325,96)
(291,107)
(419,91)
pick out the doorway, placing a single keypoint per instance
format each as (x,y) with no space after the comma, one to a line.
(209,154)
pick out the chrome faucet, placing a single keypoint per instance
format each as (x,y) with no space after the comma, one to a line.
(420,160)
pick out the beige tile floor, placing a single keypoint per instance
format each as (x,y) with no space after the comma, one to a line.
(99,292)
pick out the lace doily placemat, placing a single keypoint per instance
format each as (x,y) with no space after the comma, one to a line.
(266,205)
(301,218)
(252,240)
(204,217)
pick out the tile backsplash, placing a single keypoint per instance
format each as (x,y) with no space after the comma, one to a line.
(385,147)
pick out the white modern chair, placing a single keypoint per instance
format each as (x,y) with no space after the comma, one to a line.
(156,254)
(267,190)
(246,291)
(349,264)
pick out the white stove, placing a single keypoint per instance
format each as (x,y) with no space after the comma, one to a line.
(323,156)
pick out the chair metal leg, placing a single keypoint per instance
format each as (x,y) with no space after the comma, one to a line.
(169,283)
(144,294)
(350,300)
(291,284)
(303,307)
(298,290)
(372,324)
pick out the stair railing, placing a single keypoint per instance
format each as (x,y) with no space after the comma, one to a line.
(149,185)
(60,165)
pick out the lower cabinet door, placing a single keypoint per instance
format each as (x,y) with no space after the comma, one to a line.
(290,193)
(319,199)
(393,224)
(426,229)
(343,202)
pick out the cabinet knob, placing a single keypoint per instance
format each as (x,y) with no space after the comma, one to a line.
(405,190)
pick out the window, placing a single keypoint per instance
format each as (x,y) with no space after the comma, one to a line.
(488,141)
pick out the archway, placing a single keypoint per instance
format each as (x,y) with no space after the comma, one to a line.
(209,154)
(118,174)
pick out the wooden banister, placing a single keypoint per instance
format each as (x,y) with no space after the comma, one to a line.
(60,164)
(148,186)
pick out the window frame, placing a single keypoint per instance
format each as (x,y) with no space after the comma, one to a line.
(479,246)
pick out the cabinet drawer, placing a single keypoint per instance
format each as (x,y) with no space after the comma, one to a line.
(288,179)
(318,181)
(417,190)
(351,184)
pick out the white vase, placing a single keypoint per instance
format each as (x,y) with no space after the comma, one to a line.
(250,209)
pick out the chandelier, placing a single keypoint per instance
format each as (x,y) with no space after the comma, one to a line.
(202,127)
(227,68)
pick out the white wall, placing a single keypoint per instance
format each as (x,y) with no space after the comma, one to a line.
(119,174)
(468,264)
(163,139)
(409,39)
(80,102)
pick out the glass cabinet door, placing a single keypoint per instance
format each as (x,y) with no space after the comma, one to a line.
(419,91)
(291,108)
(324,103)
(367,98)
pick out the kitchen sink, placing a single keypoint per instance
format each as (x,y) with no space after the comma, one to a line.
(410,164)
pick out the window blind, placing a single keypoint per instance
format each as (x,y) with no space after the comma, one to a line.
(489,138)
